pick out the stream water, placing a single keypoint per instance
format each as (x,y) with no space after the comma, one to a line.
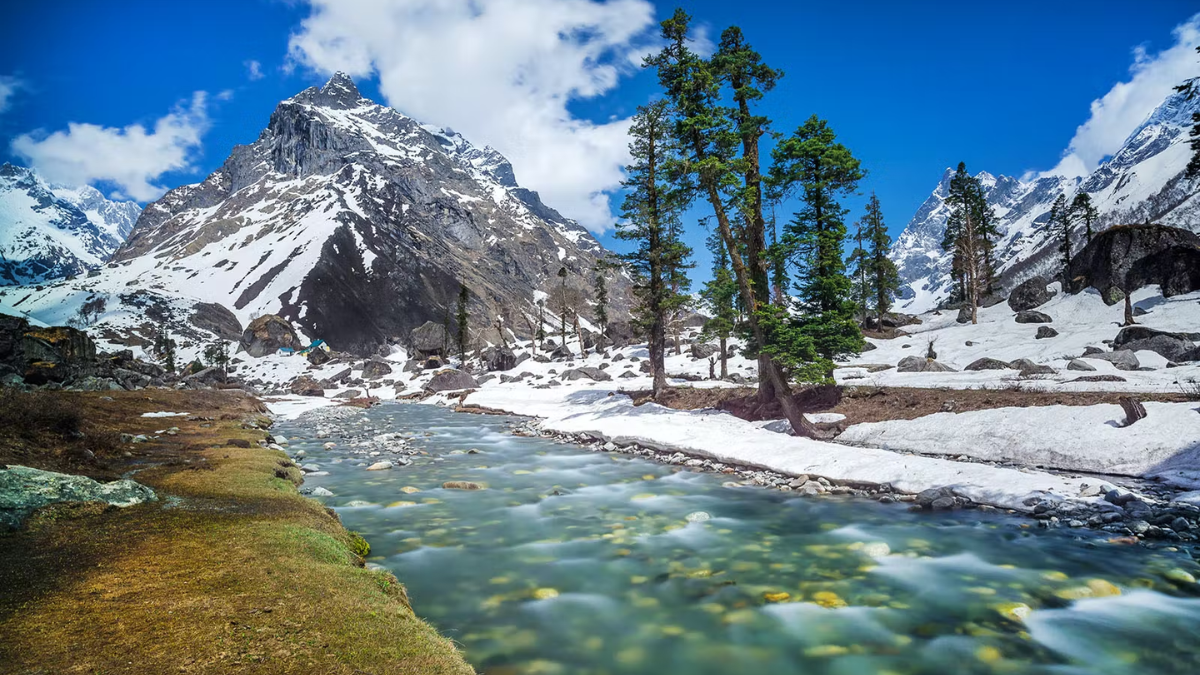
(582,562)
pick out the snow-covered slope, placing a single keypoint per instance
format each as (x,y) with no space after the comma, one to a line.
(1141,182)
(49,232)
(350,219)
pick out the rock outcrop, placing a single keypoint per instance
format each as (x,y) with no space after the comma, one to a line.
(24,490)
(216,319)
(1030,294)
(1176,347)
(1125,258)
(268,334)
(451,380)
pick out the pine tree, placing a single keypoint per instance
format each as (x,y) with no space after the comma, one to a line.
(651,212)
(1189,89)
(562,306)
(885,278)
(719,295)
(1082,208)
(601,286)
(463,319)
(709,140)
(1060,219)
(970,234)
(821,170)
(860,264)
(540,336)
(217,354)
(164,347)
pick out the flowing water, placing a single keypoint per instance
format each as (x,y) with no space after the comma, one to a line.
(581,562)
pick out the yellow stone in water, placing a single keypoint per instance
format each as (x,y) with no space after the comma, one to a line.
(631,656)
(431,500)
(1013,611)
(988,654)
(776,597)
(499,580)
(408,489)
(740,616)
(828,599)
(981,590)
(1102,589)
(623,551)
(593,644)
(644,495)
(1179,576)
(744,566)
(638,579)
(823,651)
(401,504)
(545,594)
(877,549)
(645,602)
(672,630)
(1054,575)
(492,602)
(522,472)
(712,608)
(649,476)
(699,574)
(543,667)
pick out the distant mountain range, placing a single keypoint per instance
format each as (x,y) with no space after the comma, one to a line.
(49,232)
(1143,181)
(350,219)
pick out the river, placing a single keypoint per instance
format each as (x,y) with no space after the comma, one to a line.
(580,562)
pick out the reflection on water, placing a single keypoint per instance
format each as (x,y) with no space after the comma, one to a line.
(588,563)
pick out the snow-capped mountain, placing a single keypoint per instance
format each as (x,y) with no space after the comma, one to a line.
(1143,181)
(49,232)
(355,222)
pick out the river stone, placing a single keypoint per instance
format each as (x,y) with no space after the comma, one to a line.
(698,517)
(380,466)
(22,490)
(321,492)
(461,485)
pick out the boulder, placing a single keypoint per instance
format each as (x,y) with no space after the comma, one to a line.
(429,339)
(1171,346)
(1123,359)
(216,319)
(1080,364)
(414,366)
(318,357)
(964,315)
(701,350)
(988,364)
(620,333)
(1044,332)
(268,334)
(1028,368)
(205,379)
(349,393)
(898,320)
(1125,258)
(306,386)
(594,374)
(1030,316)
(561,353)
(23,490)
(499,358)
(919,364)
(1030,294)
(434,362)
(451,380)
(376,368)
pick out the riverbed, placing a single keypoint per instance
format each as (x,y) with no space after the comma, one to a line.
(584,562)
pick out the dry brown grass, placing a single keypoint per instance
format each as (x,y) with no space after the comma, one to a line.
(237,573)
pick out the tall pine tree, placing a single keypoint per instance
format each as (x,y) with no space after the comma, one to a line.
(1082,208)
(1060,222)
(821,171)
(1189,89)
(860,264)
(719,296)
(462,318)
(650,214)
(884,278)
(970,235)
(601,289)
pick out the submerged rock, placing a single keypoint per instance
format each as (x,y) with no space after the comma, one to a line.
(23,490)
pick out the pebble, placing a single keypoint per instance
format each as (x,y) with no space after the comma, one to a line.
(380,466)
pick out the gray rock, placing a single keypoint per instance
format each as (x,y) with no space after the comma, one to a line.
(23,490)
(1030,294)
(429,339)
(1080,364)
(586,373)
(1044,332)
(1123,359)
(500,358)
(268,334)
(216,319)
(1125,258)
(919,364)
(1031,316)
(987,364)
(703,351)
(376,368)
(1171,346)
(451,380)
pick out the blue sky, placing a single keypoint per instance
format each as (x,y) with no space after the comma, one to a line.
(911,88)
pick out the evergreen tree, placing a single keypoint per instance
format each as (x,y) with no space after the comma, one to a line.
(860,264)
(650,214)
(1189,88)
(463,319)
(719,296)
(970,234)
(1060,219)
(601,286)
(562,307)
(822,171)
(884,277)
(217,353)
(1082,208)
(540,336)
(731,183)
(164,347)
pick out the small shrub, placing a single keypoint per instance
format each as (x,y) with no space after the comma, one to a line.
(1191,389)
(358,545)
(34,413)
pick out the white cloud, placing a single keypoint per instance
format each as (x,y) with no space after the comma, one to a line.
(8,86)
(254,70)
(502,73)
(131,158)
(1119,112)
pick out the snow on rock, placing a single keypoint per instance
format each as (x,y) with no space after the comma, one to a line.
(1074,438)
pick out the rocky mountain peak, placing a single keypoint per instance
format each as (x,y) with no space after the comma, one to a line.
(339,93)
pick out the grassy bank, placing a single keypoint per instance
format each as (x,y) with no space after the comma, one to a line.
(231,571)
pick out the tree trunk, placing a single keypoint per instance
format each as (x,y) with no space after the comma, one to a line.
(724,367)
(1129,311)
